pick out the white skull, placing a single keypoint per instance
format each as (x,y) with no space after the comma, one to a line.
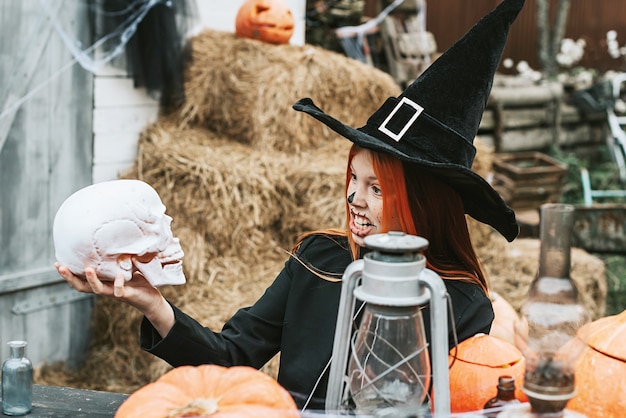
(104,225)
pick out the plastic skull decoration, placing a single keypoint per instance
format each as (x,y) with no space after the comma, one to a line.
(115,225)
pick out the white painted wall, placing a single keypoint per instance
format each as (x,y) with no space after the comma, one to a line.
(122,112)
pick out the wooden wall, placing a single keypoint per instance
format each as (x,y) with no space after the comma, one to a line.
(45,154)
(448,20)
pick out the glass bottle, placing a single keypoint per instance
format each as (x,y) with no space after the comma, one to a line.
(17,381)
(551,316)
(504,397)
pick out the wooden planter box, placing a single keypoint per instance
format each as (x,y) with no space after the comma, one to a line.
(600,228)
(526,180)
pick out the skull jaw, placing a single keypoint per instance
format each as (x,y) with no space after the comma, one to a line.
(158,274)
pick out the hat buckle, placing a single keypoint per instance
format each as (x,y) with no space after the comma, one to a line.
(398,136)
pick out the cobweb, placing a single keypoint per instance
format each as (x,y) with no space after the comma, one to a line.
(146,38)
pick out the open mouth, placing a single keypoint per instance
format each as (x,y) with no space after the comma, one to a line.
(161,272)
(360,225)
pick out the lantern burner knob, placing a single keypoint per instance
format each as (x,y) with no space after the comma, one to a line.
(395,242)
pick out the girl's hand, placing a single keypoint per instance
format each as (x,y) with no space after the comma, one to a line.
(137,292)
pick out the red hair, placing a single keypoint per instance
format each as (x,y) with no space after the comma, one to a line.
(424,206)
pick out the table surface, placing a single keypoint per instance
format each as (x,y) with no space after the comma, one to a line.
(54,401)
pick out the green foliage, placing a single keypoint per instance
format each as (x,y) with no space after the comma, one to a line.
(603,174)
(616,281)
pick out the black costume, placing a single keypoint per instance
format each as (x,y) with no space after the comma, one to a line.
(296,317)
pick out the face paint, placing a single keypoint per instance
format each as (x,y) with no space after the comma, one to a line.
(366,208)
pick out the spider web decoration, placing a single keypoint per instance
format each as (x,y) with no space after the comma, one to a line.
(147,38)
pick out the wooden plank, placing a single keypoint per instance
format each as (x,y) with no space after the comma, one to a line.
(124,119)
(529,185)
(600,228)
(46,156)
(525,117)
(119,91)
(110,171)
(61,402)
(578,135)
(11,326)
(54,319)
(7,116)
(25,279)
(570,115)
(78,314)
(11,97)
(540,138)
(525,164)
(528,95)
(525,140)
(115,148)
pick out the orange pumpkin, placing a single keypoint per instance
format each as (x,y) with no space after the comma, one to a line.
(601,369)
(265,20)
(503,325)
(210,391)
(480,361)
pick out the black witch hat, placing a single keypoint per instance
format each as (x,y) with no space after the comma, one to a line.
(433,123)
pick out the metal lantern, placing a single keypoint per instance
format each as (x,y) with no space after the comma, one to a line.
(385,366)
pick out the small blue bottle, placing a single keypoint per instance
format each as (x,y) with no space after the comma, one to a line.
(17,381)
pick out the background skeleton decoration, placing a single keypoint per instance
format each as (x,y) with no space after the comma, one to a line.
(115,225)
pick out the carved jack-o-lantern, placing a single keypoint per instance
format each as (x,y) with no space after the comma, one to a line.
(601,369)
(479,363)
(265,20)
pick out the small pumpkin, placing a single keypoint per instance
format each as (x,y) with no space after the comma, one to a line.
(265,20)
(210,391)
(479,362)
(600,371)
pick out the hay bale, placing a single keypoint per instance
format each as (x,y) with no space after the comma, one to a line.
(248,96)
(512,272)
(231,194)
(318,179)
(482,235)
(483,161)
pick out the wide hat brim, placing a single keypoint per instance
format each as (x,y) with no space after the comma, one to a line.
(480,200)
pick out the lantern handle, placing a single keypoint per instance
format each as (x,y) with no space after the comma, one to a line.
(343,330)
(439,340)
